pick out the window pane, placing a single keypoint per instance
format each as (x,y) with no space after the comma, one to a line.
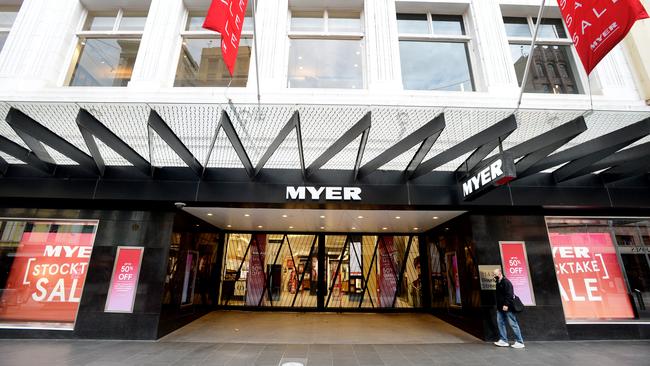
(105,62)
(435,66)
(195,22)
(553,69)
(551,28)
(133,22)
(517,27)
(344,22)
(200,64)
(326,64)
(412,23)
(448,25)
(307,21)
(7,18)
(101,22)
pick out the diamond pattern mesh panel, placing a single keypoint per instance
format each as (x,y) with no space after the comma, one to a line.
(287,155)
(224,155)
(346,158)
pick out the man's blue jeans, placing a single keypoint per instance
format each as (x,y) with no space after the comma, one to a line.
(514,324)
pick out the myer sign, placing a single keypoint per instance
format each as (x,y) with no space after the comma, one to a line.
(496,172)
(329,193)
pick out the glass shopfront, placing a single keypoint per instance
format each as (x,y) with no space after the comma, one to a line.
(602,267)
(358,271)
(43,267)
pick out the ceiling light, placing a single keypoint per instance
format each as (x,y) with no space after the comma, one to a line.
(416,228)
(290,227)
(247,215)
(229,225)
(322,227)
(397,217)
(359,217)
(209,214)
(260,226)
(354,228)
(285,216)
(322,216)
(197,225)
(384,228)
(435,217)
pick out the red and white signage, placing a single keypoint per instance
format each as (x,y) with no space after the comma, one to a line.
(589,277)
(387,271)
(124,281)
(515,268)
(256,276)
(227,17)
(597,26)
(48,273)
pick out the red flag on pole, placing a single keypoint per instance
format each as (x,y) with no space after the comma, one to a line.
(597,26)
(227,17)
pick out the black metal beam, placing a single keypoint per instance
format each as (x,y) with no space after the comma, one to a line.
(163,130)
(301,150)
(343,141)
(35,135)
(622,157)
(90,126)
(427,134)
(626,170)
(4,166)
(230,131)
(293,123)
(491,133)
(584,155)
(22,154)
(360,152)
(538,148)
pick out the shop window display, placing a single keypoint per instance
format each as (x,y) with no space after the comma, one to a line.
(602,267)
(43,267)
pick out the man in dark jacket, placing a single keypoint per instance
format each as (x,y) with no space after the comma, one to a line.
(505,295)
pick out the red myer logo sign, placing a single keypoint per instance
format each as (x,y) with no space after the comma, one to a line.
(597,26)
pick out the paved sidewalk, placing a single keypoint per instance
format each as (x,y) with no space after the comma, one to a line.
(126,353)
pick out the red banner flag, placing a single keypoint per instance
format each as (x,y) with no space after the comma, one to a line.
(227,17)
(597,26)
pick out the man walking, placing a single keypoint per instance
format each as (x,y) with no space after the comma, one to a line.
(505,295)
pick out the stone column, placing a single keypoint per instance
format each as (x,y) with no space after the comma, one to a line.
(382,46)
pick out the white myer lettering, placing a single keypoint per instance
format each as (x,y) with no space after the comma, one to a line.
(484,177)
(316,193)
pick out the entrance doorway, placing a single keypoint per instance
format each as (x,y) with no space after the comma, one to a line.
(321,272)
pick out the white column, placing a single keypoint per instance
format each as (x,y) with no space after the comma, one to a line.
(159,50)
(382,46)
(39,45)
(495,64)
(273,43)
(615,76)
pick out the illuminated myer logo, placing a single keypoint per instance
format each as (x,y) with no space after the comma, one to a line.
(496,172)
(329,193)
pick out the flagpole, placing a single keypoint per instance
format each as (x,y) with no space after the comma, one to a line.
(530,55)
(257,60)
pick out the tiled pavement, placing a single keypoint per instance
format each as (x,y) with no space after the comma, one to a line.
(126,353)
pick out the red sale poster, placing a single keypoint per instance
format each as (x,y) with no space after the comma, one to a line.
(515,268)
(124,281)
(589,277)
(387,271)
(48,273)
(256,276)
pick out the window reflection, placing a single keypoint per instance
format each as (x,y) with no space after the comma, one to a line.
(326,63)
(105,62)
(546,79)
(435,66)
(201,64)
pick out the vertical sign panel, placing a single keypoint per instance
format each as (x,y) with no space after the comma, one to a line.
(515,268)
(387,271)
(589,277)
(124,280)
(256,276)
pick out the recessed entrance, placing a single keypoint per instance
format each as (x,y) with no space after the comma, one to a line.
(318,328)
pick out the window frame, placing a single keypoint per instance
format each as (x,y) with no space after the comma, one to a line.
(581,78)
(325,34)
(206,34)
(447,38)
(82,35)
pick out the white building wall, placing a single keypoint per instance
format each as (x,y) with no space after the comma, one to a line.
(38,53)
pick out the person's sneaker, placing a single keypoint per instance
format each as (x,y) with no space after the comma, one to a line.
(502,343)
(518,345)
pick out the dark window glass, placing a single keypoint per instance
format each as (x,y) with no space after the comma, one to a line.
(412,23)
(517,27)
(551,28)
(435,66)
(545,79)
(448,25)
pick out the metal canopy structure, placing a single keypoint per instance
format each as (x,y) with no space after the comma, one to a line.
(363,140)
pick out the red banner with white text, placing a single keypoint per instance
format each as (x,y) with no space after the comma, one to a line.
(227,17)
(256,277)
(597,26)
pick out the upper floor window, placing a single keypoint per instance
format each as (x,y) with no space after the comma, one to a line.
(200,62)
(434,52)
(553,69)
(326,50)
(107,49)
(7,18)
